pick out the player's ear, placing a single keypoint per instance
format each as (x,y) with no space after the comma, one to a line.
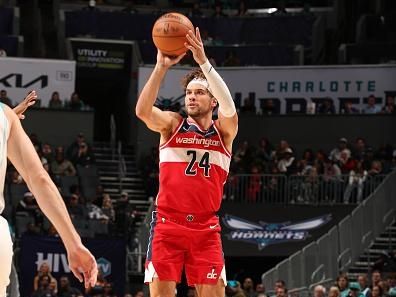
(214,102)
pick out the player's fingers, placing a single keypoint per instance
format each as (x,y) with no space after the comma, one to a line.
(77,274)
(198,34)
(22,117)
(191,41)
(191,48)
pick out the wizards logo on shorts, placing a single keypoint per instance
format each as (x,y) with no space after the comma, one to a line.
(265,234)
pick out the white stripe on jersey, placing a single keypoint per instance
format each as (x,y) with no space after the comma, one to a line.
(172,154)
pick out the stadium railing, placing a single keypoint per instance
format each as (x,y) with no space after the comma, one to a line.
(341,246)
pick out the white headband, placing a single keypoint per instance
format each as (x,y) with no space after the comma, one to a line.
(199,81)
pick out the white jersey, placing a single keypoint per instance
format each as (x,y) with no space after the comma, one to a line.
(4,133)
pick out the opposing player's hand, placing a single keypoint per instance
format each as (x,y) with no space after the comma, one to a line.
(83,265)
(195,45)
(167,61)
(28,101)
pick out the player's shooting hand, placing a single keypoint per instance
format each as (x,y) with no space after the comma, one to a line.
(195,45)
(167,61)
(28,101)
(83,265)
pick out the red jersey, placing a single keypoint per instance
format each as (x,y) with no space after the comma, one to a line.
(194,165)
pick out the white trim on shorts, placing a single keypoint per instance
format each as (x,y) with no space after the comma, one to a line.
(6,254)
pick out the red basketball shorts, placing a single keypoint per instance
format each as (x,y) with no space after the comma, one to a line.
(185,240)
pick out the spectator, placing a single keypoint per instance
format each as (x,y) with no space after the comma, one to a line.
(319,291)
(282,146)
(260,290)
(346,162)
(233,289)
(334,292)
(335,154)
(95,212)
(306,163)
(65,289)
(392,292)
(243,156)
(376,168)
(281,8)
(75,103)
(61,166)
(44,270)
(326,107)
(281,292)
(74,148)
(195,11)
(122,213)
(348,108)
(242,9)
(363,282)
(248,287)
(141,294)
(231,59)
(4,98)
(44,289)
(53,287)
(91,6)
(248,106)
(107,208)
(354,290)
(371,108)
(130,7)
(384,286)
(85,157)
(376,291)
(356,179)
(28,206)
(16,178)
(269,107)
(279,284)
(389,107)
(55,101)
(359,148)
(3,53)
(287,164)
(218,10)
(343,285)
(76,210)
(47,153)
(264,152)
(375,278)
(108,290)
(52,232)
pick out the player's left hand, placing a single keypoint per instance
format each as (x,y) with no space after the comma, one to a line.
(195,45)
(28,101)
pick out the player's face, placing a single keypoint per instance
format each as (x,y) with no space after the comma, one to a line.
(198,101)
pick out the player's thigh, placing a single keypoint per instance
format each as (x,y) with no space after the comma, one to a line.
(217,290)
(162,288)
(5,255)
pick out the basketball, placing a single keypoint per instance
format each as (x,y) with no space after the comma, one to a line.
(169,33)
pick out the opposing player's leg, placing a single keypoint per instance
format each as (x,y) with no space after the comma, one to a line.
(217,290)
(5,256)
(162,288)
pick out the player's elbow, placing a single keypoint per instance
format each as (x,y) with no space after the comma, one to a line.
(40,178)
(141,113)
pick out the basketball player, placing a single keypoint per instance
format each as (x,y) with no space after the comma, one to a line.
(195,156)
(15,144)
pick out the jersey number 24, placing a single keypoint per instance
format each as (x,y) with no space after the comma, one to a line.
(203,163)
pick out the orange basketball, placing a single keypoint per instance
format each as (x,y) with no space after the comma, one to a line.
(169,33)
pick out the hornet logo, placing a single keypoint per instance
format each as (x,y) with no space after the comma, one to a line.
(265,234)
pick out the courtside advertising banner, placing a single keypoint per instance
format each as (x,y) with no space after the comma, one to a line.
(293,89)
(110,256)
(18,76)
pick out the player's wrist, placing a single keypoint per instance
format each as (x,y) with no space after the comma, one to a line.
(205,66)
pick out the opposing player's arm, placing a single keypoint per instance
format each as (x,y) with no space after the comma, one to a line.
(25,159)
(156,119)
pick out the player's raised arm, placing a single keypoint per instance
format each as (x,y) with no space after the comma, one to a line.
(228,118)
(152,116)
(23,156)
